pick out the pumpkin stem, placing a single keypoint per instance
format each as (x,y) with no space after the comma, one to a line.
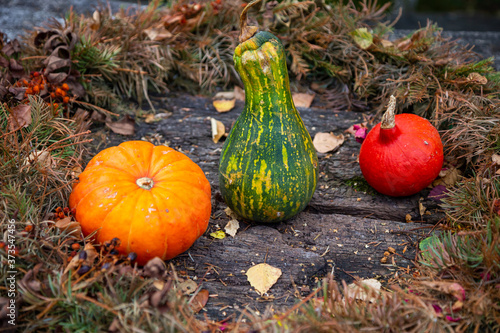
(388,120)
(145,183)
(247,31)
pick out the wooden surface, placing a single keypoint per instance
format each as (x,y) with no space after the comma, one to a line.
(345,229)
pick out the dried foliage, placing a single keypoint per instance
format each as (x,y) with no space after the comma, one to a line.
(38,150)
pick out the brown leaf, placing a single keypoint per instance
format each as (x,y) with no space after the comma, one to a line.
(20,116)
(75,86)
(54,63)
(158,34)
(325,142)
(188,287)
(70,227)
(239,94)
(159,298)
(155,268)
(16,69)
(42,157)
(124,126)
(453,288)
(262,277)
(199,301)
(18,92)
(448,177)
(302,100)
(29,281)
(4,62)
(56,78)
(477,78)
(150,118)
(11,47)
(91,254)
(364,290)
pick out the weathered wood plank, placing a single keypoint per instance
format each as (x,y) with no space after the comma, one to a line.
(345,229)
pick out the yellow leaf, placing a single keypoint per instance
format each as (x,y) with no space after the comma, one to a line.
(224,105)
(218,129)
(262,277)
(362,37)
(219,234)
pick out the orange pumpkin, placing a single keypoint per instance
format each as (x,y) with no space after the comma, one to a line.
(153,198)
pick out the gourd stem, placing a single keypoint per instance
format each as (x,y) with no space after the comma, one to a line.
(388,120)
(247,32)
(145,183)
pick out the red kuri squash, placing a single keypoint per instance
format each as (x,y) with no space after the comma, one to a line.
(153,198)
(402,155)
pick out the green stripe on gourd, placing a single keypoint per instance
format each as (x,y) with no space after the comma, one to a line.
(268,166)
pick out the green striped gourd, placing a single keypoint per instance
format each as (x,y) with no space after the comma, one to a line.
(268,165)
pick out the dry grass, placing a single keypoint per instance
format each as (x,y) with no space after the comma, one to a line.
(455,285)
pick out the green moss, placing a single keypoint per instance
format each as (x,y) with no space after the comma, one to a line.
(359,184)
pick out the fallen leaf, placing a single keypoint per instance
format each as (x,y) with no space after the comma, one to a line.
(302,100)
(224,101)
(75,262)
(224,105)
(159,284)
(188,287)
(75,172)
(362,37)
(438,193)
(452,288)
(386,43)
(262,277)
(218,129)
(199,300)
(477,78)
(239,94)
(219,234)
(72,265)
(354,128)
(230,213)
(72,228)
(421,207)
(359,131)
(232,227)
(448,177)
(124,126)
(150,118)
(91,253)
(496,159)
(325,142)
(20,117)
(155,268)
(158,34)
(42,157)
(360,290)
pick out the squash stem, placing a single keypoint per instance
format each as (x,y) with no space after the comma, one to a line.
(246,31)
(388,120)
(145,183)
